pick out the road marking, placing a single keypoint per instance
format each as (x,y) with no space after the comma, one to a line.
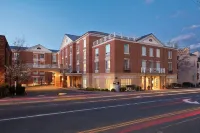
(83,110)
(190,102)
(106,128)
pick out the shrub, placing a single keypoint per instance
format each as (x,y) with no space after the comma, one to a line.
(89,89)
(138,88)
(106,89)
(113,90)
(122,89)
(187,84)
(4,91)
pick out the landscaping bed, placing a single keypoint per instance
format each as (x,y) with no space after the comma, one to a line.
(121,89)
(6,90)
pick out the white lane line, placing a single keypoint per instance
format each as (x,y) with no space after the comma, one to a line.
(181,122)
(83,110)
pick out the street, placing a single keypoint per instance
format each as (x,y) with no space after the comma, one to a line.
(167,111)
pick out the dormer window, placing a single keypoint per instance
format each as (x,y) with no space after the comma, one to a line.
(38,48)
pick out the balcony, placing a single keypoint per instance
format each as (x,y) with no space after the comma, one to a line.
(152,70)
(42,66)
(96,71)
(170,71)
(127,69)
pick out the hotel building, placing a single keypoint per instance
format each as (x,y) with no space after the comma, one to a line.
(98,59)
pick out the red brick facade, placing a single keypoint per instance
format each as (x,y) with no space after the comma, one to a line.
(5,57)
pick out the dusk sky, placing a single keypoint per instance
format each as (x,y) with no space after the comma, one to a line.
(46,21)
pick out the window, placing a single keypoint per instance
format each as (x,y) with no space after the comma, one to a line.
(84,55)
(84,43)
(170,66)
(96,52)
(126,64)
(108,49)
(151,52)
(157,64)
(41,55)
(16,55)
(150,64)
(96,65)
(54,58)
(144,64)
(107,64)
(70,49)
(157,52)
(125,82)
(143,51)
(126,49)
(169,54)
(84,67)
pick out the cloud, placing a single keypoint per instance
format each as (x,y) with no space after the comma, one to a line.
(191,27)
(149,1)
(177,14)
(195,46)
(183,37)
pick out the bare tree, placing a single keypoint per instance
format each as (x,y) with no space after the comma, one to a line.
(19,71)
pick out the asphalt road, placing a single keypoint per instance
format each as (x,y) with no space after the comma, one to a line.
(140,113)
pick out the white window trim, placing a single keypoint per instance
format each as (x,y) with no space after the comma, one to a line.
(128,49)
(144,54)
(107,53)
(169,54)
(158,55)
(128,66)
(171,66)
(151,52)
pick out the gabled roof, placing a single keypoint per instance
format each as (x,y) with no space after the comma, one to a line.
(72,37)
(150,34)
(24,48)
(142,37)
(16,47)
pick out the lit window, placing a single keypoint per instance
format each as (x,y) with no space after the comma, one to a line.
(143,51)
(107,64)
(126,49)
(84,67)
(125,82)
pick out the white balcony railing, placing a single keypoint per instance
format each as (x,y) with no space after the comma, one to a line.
(42,66)
(152,70)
